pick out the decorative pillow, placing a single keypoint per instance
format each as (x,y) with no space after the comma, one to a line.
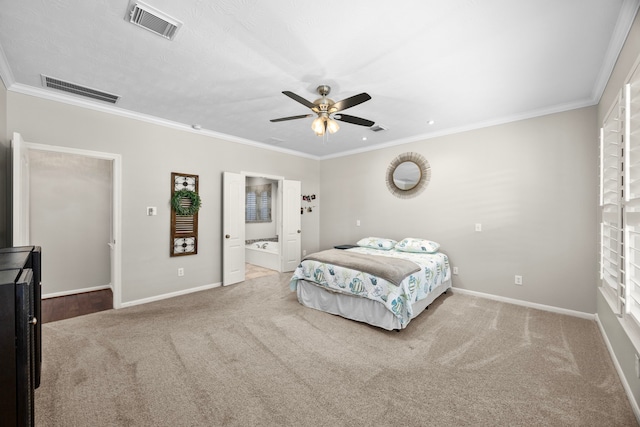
(377,243)
(417,245)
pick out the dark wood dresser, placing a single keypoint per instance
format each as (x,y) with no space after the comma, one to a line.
(20,334)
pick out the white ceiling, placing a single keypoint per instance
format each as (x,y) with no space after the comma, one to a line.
(462,63)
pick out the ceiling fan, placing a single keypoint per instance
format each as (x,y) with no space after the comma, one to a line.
(328,111)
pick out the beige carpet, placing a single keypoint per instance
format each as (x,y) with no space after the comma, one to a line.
(254,271)
(251,355)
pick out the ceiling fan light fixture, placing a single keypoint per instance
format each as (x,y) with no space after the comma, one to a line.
(332,125)
(318,126)
(325,108)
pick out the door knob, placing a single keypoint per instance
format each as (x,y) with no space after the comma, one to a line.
(227,236)
(299,231)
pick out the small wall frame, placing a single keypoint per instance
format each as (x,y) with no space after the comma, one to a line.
(184,228)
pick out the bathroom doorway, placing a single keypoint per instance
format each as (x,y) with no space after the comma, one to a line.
(262,221)
(284,216)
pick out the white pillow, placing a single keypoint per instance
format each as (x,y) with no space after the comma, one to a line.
(411,244)
(377,243)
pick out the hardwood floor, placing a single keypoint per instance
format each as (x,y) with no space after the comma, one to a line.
(65,307)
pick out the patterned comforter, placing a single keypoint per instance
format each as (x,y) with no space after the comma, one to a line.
(434,271)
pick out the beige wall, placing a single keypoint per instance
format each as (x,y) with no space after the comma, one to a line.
(529,183)
(150,153)
(622,346)
(70,204)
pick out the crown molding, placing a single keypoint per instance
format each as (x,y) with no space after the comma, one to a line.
(5,71)
(473,126)
(625,20)
(110,109)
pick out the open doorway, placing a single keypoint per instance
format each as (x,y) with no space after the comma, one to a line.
(68,201)
(287,222)
(262,222)
(70,216)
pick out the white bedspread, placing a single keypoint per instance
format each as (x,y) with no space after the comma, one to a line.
(434,271)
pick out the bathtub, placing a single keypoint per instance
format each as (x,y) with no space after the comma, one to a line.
(263,254)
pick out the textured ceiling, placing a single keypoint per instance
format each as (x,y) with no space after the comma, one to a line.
(461,63)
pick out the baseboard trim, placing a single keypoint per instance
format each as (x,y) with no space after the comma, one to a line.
(75,291)
(169,295)
(623,379)
(550,308)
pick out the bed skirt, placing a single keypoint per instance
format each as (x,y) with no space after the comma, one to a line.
(359,308)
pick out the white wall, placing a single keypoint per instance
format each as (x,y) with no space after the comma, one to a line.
(70,206)
(529,183)
(150,152)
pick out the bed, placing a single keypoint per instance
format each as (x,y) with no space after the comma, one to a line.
(381,282)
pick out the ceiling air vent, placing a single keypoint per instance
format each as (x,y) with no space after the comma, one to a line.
(75,89)
(378,128)
(151,19)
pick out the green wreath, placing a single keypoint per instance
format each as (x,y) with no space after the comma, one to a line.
(185,194)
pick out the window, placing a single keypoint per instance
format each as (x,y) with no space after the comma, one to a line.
(620,203)
(258,203)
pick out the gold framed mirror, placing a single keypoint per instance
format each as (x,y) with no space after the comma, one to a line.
(408,175)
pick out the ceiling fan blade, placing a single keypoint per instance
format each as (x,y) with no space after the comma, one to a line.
(300,99)
(350,102)
(354,120)
(282,119)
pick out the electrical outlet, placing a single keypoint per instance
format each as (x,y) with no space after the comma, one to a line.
(304,252)
(518,280)
(455,270)
(152,211)
(478,227)
(357,223)
(180,272)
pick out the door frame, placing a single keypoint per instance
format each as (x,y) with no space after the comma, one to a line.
(116,208)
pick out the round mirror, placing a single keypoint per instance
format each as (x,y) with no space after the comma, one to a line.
(408,175)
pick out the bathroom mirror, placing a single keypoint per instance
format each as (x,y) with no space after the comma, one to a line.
(408,175)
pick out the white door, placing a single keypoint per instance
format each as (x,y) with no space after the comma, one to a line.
(291,243)
(20,191)
(232,228)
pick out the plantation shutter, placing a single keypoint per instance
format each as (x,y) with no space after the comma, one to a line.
(258,203)
(631,138)
(251,206)
(611,163)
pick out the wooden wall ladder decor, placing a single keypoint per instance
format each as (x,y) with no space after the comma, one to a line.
(184,228)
